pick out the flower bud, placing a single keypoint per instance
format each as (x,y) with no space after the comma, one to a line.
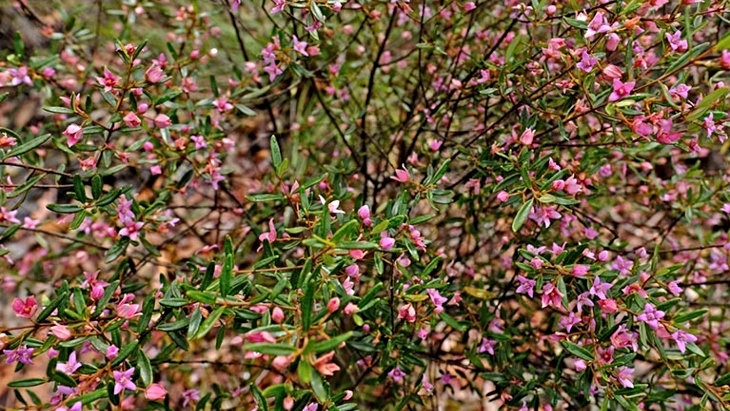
(155,392)
(333,304)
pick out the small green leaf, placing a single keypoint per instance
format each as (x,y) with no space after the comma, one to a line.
(331,344)
(104,300)
(50,307)
(145,368)
(308,305)
(522,214)
(125,352)
(96,186)
(226,276)
(195,319)
(209,322)
(27,146)
(275,152)
(271,349)
(577,350)
(64,208)
(28,382)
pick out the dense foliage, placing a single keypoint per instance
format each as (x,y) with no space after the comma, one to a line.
(338,205)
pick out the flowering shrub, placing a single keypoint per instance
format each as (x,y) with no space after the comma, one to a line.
(332,205)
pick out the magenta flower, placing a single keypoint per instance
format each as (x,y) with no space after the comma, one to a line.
(599,289)
(437,299)
(131,120)
(583,300)
(154,74)
(273,70)
(487,346)
(190,395)
(123,381)
(651,316)
(597,25)
(544,215)
(299,46)
(74,134)
(527,286)
(25,308)
(402,176)
(396,374)
(680,90)
(682,337)
(269,236)
(551,296)
(260,336)
(386,243)
(587,62)
(621,90)
(70,366)
(109,80)
(278,6)
(23,355)
(676,42)
(569,321)
(625,376)
(126,310)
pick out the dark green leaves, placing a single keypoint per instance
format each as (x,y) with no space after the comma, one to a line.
(522,215)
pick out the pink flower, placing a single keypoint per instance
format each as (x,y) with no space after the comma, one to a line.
(651,316)
(569,321)
(551,296)
(682,337)
(260,336)
(350,309)
(127,310)
(621,90)
(70,366)
(676,42)
(625,376)
(269,236)
(111,352)
(131,120)
(396,374)
(154,74)
(277,315)
(608,305)
(279,6)
(579,365)
(25,308)
(325,366)
(61,332)
(402,176)
(680,90)
(503,196)
(407,312)
(580,270)
(597,25)
(281,362)
(599,289)
(108,81)
(123,381)
(527,286)
(162,121)
(333,305)
(299,46)
(386,243)
(725,59)
(674,287)
(74,134)
(487,346)
(469,6)
(155,392)
(587,62)
(364,214)
(527,137)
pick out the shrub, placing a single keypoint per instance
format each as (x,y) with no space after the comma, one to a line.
(367,205)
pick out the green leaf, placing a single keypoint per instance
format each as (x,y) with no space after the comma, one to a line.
(522,214)
(27,146)
(195,320)
(318,385)
(174,302)
(125,352)
(64,208)
(723,44)
(145,368)
(148,307)
(357,245)
(50,307)
(331,344)
(261,402)
(683,318)
(577,350)
(275,152)
(27,382)
(91,397)
(209,322)
(271,349)
(706,102)
(308,306)
(226,274)
(453,323)
(96,186)
(724,380)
